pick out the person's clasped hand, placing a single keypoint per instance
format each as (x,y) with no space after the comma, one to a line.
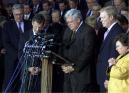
(34,70)
(112,61)
(67,68)
(106,84)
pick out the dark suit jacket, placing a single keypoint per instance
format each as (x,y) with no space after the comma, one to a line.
(38,9)
(1,60)
(58,30)
(1,41)
(80,51)
(62,16)
(14,45)
(107,51)
(34,61)
(30,16)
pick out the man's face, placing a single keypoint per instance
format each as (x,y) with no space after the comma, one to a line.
(72,24)
(62,6)
(72,5)
(18,14)
(117,3)
(46,7)
(56,17)
(95,10)
(90,3)
(27,9)
(37,27)
(105,19)
(9,10)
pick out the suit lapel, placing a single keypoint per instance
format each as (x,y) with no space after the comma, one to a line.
(15,30)
(76,34)
(109,35)
(70,41)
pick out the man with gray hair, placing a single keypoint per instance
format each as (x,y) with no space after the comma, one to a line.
(14,34)
(79,49)
(108,16)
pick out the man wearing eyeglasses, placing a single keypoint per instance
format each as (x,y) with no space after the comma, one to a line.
(15,35)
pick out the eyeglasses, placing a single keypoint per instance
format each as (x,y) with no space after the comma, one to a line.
(17,14)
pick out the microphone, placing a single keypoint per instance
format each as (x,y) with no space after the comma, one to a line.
(49,36)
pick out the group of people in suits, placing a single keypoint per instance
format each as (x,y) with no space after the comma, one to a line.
(86,67)
(80,52)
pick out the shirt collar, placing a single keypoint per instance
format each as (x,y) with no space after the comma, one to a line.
(79,26)
(112,26)
(34,33)
(128,30)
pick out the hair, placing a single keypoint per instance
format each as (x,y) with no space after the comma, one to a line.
(73,13)
(63,1)
(123,38)
(122,19)
(75,1)
(121,1)
(96,5)
(46,15)
(46,2)
(94,1)
(110,10)
(91,20)
(26,4)
(56,11)
(39,18)
(17,6)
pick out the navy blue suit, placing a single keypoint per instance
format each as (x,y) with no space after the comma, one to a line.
(107,51)
(14,45)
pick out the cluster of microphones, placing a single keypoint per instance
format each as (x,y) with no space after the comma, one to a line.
(40,45)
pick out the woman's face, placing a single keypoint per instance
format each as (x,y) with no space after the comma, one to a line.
(120,48)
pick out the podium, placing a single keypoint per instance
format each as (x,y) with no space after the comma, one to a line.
(46,75)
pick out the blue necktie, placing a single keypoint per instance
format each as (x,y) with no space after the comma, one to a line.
(89,12)
(19,27)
